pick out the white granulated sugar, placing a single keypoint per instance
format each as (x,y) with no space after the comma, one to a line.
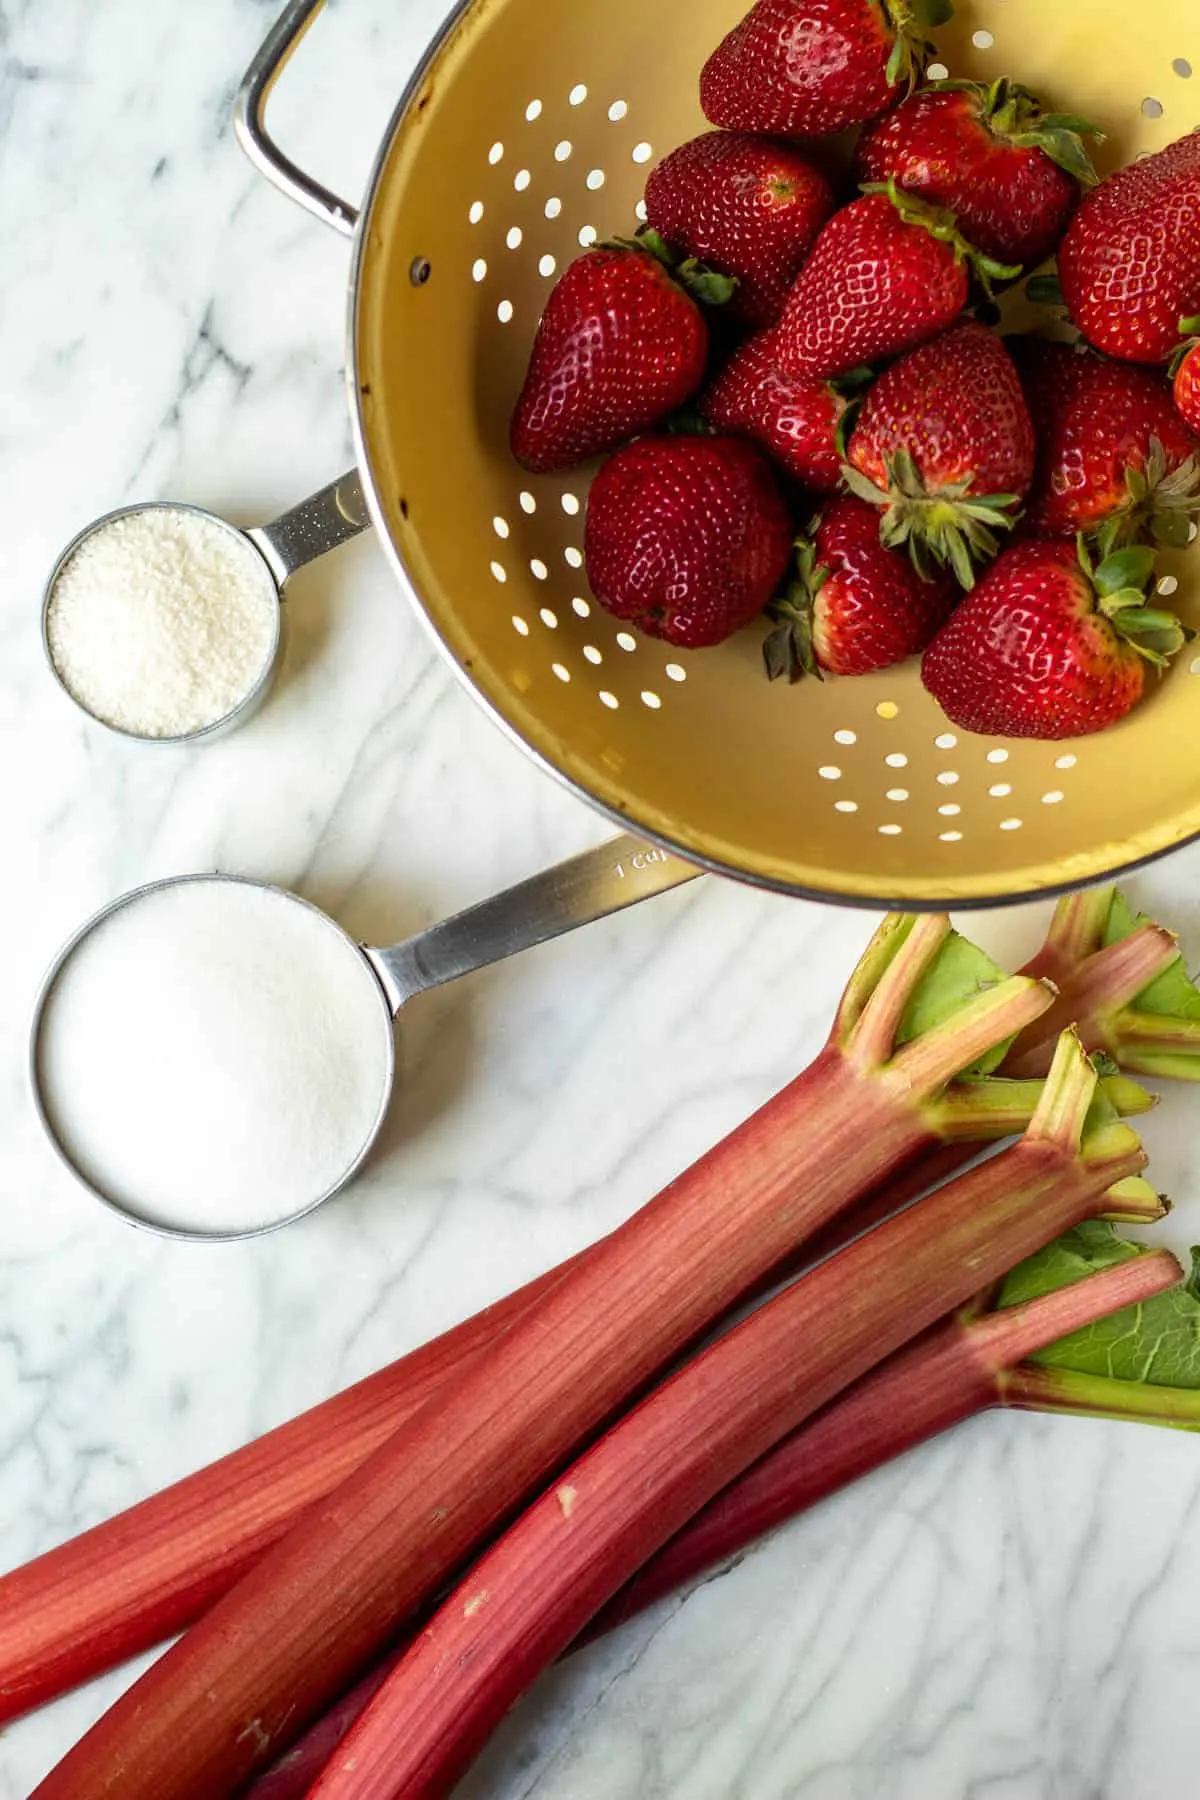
(214,1056)
(162,621)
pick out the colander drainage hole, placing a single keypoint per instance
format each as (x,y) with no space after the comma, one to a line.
(1168,585)
(549,619)
(982,40)
(1182,67)
(538,570)
(890,830)
(496,154)
(887,709)
(948,777)
(519,625)
(626,640)
(642,211)
(499,573)
(515,238)
(845,806)
(997,756)
(573,557)
(420,270)
(578,94)
(651,700)
(1001,791)
(521,180)
(829,773)
(674,672)
(593,655)
(528,503)
(595,179)
(1010,824)
(1152,108)
(562,152)
(547,266)
(619,108)
(1065,762)
(479,270)
(897,760)
(500,527)
(588,236)
(504,312)
(899,795)
(950,837)
(553,207)
(609,700)
(581,607)
(570,504)
(642,152)
(563,674)
(477,211)
(937,72)
(1053,798)
(845,737)
(533,110)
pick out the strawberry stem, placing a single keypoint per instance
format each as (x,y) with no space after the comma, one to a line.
(942,224)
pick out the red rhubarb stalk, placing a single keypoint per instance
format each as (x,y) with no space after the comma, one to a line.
(147,1574)
(961,1367)
(314,1612)
(532,1593)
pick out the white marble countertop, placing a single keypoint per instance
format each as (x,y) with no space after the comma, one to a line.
(1011,1613)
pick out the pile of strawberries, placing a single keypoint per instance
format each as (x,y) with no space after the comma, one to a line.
(814,417)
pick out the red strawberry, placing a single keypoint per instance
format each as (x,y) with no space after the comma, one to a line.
(944,443)
(745,206)
(1010,173)
(1047,646)
(619,348)
(1114,457)
(886,274)
(808,68)
(1187,374)
(1130,262)
(687,537)
(856,606)
(795,418)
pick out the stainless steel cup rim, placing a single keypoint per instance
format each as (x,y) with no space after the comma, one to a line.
(185,1233)
(249,702)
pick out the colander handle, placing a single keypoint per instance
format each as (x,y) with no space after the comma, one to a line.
(250,127)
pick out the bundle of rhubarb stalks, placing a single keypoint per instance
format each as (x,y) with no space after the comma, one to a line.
(923,1224)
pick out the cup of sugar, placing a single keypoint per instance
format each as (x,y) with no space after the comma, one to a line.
(165,623)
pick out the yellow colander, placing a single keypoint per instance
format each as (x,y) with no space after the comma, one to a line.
(528,132)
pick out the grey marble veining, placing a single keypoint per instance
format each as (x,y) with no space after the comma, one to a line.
(1009,1615)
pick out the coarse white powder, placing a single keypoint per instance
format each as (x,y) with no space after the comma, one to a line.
(214,1056)
(162,621)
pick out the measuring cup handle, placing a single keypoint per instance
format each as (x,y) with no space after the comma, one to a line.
(250,128)
(617,874)
(320,523)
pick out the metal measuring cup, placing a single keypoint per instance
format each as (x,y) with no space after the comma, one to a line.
(273,554)
(600,882)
